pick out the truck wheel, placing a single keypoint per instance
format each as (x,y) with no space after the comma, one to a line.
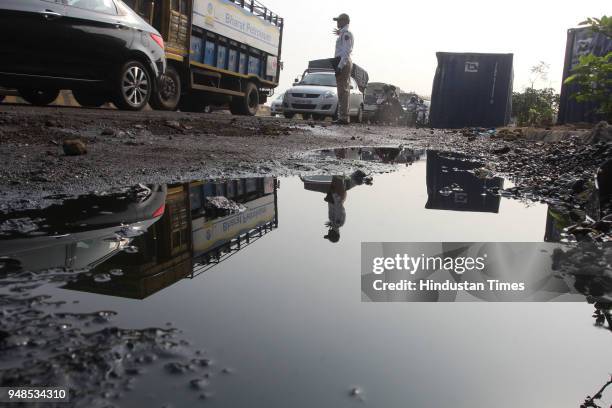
(90,99)
(288,115)
(39,97)
(133,87)
(248,104)
(168,96)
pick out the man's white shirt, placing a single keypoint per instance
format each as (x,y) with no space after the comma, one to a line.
(336,212)
(344,46)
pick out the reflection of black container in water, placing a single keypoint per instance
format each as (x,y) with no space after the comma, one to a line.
(472,192)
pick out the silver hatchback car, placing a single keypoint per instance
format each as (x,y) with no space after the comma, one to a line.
(315,97)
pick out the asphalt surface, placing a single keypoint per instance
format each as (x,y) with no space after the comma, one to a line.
(127,148)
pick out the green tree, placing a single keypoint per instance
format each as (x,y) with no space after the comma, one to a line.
(535,107)
(599,25)
(593,74)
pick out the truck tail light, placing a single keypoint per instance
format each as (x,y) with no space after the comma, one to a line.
(158,40)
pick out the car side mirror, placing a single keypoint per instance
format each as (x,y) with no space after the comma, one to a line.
(295,81)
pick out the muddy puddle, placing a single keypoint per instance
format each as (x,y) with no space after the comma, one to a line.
(246,292)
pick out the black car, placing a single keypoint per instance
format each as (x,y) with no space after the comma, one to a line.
(100,49)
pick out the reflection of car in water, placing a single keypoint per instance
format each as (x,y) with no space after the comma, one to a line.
(452,184)
(81,232)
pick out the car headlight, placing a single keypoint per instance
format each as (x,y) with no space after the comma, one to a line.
(329,95)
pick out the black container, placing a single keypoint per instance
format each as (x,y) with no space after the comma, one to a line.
(471,90)
(580,41)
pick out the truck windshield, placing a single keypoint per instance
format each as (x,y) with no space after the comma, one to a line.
(319,79)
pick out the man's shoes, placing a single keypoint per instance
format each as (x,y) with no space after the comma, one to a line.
(341,122)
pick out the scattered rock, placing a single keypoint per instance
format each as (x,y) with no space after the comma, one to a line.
(174,124)
(602,132)
(501,150)
(74,147)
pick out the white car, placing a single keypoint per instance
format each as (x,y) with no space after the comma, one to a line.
(315,97)
(276,107)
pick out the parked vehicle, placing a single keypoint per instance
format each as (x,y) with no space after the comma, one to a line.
(99,49)
(382,103)
(315,96)
(389,106)
(378,98)
(219,52)
(276,107)
(372,92)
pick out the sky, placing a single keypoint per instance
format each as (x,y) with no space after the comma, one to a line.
(396,40)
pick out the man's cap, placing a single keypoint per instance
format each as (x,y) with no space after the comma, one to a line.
(342,16)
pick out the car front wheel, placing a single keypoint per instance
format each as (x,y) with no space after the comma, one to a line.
(134,87)
(39,97)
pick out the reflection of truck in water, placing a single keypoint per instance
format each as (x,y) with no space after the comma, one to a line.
(192,236)
(218,52)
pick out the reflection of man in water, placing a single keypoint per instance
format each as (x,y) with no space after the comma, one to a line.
(335,198)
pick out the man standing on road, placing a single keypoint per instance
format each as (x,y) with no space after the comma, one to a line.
(344,48)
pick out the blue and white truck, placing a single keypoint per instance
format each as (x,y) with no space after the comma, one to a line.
(218,52)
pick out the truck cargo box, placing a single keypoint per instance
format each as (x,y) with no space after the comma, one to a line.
(471,90)
(580,41)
